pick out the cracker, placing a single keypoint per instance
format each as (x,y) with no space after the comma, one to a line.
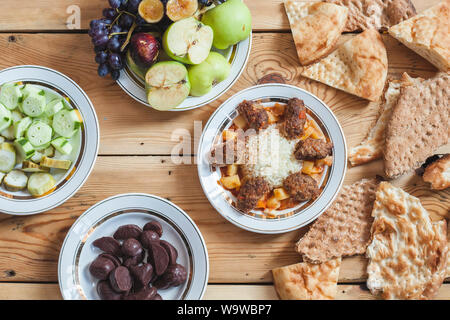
(408,253)
(305,281)
(378,14)
(343,229)
(418,126)
(438,173)
(358,66)
(428,34)
(316,27)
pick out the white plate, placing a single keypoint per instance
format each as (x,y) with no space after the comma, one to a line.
(237,56)
(68,183)
(289,219)
(105,217)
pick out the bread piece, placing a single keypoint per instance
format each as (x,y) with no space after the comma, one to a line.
(372,147)
(359,66)
(428,34)
(344,229)
(438,173)
(316,27)
(408,253)
(419,124)
(305,281)
(378,14)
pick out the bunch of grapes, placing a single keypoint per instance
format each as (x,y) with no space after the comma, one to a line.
(110,34)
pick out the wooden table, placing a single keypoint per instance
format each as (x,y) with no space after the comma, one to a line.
(136,146)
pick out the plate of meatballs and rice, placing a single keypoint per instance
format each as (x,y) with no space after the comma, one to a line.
(272,158)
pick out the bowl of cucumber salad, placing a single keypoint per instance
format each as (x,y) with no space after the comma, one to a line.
(49,137)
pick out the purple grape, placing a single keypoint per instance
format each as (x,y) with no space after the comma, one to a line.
(115,61)
(98,49)
(126,21)
(103,70)
(140,21)
(97,32)
(94,23)
(133,5)
(115,28)
(100,41)
(109,13)
(115,74)
(106,21)
(114,44)
(115,4)
(101,57)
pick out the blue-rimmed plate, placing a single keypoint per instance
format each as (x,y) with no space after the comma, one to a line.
(105,217)
(283,220)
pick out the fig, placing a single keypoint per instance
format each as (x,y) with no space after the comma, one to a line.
(180,9)
(158,257)
(108,245)
(105,291)
(171,251)
(144,49)
(147,237)
(120,280)
(154,226)
(152,11)
(101,268)
(142,274)
(128,231)
(131,247)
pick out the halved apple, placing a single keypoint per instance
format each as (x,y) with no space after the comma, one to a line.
(188,41)
(167,85)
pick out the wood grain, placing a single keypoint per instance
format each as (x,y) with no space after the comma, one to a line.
(50,291)
(268,15)
(29,246)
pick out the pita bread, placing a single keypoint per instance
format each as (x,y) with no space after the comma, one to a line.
(419,124)
(359,66)
(408,253)
(344,229)
(428,34)
(316,27)
(378,14)
(438,173)
(305,281)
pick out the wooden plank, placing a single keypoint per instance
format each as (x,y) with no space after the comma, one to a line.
(36,291)
(55,15)
(29,246)
(128,127)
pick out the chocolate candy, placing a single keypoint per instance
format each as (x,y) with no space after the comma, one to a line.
(120,279)
(131,247)
(142,274)
(108,245)
(147,237)
(101,268)
(157,297)
(133,261)
(175,275)
(144,294)
(105,291)
(128,231)
(171,251)
(158,257)
(111,257)
(154,226)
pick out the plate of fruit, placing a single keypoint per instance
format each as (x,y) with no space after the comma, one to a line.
(173,54)
(49,137)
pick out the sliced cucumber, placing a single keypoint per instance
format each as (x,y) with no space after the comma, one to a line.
(37,156)
(29,89)
(39,134)
(49,152)
(10,95)
(15,180)
(54,107)
(24,148)
(67,122)
(21,127)
(55,163)
(5,117)
(7,157)
(31,167)
(2,139)
(34,104)
(9,132)
(62,145)
(40,183)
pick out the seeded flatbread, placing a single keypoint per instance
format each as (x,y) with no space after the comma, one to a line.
(316,27)
(344,229)
(428,34)
(378,14)
(438,173)
(418,126)
(305,281)
(358,66)
(408,253)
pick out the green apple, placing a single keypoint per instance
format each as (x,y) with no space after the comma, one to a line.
(167,85)
(231,22)
(188,41)
(138,71)
(206,74)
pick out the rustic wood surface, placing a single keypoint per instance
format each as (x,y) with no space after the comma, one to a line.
(136,144)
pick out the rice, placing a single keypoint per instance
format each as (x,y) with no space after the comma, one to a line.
(271,156)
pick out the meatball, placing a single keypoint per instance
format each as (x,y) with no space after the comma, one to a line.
(256,117)
(312,149)
(301,187)
(294,118)
(251,191)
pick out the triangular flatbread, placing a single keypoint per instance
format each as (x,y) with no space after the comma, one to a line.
(316,27)
(359,66)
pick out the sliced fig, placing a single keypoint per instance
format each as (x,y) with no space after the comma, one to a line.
(120,279)
(128,231)
(171,251)
(105,291)
(101,268)
(151,11)
(180,9)
(142,274)
(154,226)
(158,257)
(108,245)
(147,237)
